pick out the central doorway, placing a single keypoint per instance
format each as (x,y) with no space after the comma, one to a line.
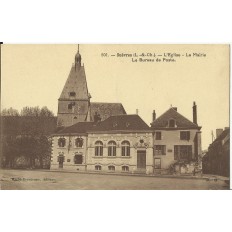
(141,159)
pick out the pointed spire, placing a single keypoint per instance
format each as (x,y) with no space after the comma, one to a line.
(77,58)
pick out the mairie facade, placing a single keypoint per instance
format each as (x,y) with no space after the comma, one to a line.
(120,143)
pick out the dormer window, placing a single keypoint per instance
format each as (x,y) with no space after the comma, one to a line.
(172,123)
(72,94)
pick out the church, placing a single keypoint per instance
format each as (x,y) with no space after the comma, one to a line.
(102,137)
(74,103)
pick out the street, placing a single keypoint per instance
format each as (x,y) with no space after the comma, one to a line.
(47,180)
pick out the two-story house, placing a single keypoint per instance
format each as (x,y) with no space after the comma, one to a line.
(175,138)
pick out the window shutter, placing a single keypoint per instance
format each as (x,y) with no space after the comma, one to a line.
(164,150)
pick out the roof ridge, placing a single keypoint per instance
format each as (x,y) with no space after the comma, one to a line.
(185,117)
(161,115)
(107,103)
(173,112)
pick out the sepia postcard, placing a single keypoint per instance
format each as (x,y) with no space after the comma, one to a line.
(115,117)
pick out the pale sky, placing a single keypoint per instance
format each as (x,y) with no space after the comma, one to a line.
(34,75)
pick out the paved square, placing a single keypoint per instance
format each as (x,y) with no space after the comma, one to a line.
(47,180)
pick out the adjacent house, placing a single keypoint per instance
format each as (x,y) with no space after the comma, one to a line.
(217,160)
(176,138)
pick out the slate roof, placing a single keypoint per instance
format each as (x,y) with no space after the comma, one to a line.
(111,124)
(181,121)
(78,128)
(121,123)
(106,109)
(76,82)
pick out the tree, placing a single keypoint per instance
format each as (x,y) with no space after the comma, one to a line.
(45,112)
(30,140)
(36,111)
(9,112)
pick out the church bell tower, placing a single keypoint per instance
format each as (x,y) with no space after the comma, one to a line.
(74,101)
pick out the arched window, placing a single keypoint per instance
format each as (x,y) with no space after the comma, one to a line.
(125,148)
(111,148)
(61,142)
(172,123)
(98,167)
(125,168)
(98,148)
(79,142)
(111,168)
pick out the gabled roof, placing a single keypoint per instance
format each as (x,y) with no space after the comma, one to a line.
(106,109)
(121,123)
(76,82)
(78,128)
(181,121)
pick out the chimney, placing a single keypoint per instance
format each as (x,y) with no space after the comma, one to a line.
(97,117)
(137,111)
(194,113)
(153,116)
(218,132)
(174,108)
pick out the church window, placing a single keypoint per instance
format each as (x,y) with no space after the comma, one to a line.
(61,142)
(98,148)
(70,105)
(111,148)
(72,94)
